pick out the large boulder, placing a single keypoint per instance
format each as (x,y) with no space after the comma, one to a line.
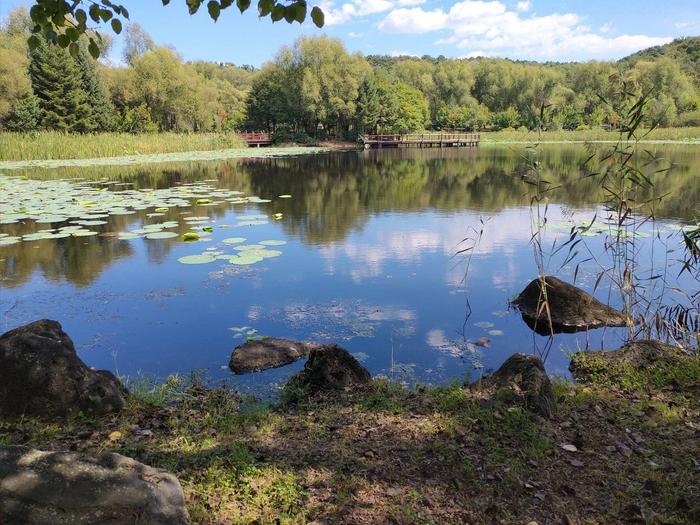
(330,368)
(256,355)
(528,381)
(56,488)
(572,309)
(41,375)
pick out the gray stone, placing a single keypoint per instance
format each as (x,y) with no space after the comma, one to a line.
(41,375)
(571,309)
(256,355)
(57,488)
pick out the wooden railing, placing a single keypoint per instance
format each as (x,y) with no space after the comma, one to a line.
(447,138)
(256,138)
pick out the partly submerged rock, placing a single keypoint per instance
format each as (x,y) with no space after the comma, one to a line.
(41,375)
(256,355)
(330,368)
(525,375)
(572,309)
(78,489)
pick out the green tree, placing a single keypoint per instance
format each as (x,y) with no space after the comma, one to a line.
(25,114)
(56,82)
(102,110)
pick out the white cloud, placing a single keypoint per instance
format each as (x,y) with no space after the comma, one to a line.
(353,9)
(353,34)
(606,28)
(395,53)
(489,27)
(524,6)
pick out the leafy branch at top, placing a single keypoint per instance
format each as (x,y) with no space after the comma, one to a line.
(64,22)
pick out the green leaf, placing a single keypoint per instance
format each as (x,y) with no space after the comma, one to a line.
(93,49)
(214,10)
(33,42)
(290,13)
(73,49)
(166,2)
(125,13)
(36,13)
(243,4)
(63,41)
(277,13)
(193,5)
(105,15)
(300,13)
(94,12)
(116,26)
(318,17)
(265,7)
(73,34)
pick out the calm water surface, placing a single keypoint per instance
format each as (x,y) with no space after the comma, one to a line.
(370,262)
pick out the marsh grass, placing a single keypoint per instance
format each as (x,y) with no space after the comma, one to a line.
(683,135)
(55,145)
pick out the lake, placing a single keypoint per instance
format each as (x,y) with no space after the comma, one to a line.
(362,249)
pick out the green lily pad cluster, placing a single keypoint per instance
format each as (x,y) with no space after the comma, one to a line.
(247,253)
(72,208)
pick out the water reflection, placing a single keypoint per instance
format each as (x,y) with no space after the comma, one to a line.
(369,260)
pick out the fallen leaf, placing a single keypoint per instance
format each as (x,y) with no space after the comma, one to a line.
(569,447)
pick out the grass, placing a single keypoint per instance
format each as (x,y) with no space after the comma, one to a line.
(387,454)
(55,145)
(681,135)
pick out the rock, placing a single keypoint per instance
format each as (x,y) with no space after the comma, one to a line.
(572,309)
(256,355)
(525,374)
(78,489)
(637,356)
(330,368)
(41,375)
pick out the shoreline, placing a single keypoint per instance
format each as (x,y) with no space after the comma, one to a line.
(621,446)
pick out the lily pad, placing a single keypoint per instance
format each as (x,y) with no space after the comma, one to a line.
(234,240)
(161,235)
(203,258)
(273,242)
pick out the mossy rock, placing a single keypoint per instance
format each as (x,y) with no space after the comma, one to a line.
(643,365)
(522,378)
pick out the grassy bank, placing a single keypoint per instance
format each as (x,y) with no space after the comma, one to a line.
(54,145)
(673,135)
(432,455)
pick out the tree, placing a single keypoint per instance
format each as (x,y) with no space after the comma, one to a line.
(56,82)
(101,109)
(136,42)
(14,80)
(25,114)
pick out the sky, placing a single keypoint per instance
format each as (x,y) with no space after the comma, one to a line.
(539,30)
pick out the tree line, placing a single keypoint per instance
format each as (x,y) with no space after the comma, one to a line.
(315,88)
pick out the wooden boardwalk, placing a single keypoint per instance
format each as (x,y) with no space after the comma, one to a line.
(256,138)
(422,140)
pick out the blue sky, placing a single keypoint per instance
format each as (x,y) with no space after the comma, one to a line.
(534,30)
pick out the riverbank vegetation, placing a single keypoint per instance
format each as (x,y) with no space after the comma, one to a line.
(621,449)
(315,88)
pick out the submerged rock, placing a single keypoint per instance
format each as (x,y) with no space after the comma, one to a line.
(572,309)
(75,488)
(41,375)
(256,355)
(526,376)
(330,368)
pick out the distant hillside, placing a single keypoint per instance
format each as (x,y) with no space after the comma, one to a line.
(685,51)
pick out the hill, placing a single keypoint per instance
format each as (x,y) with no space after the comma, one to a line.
(685,51)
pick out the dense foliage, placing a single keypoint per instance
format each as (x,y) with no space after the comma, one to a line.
(315,88)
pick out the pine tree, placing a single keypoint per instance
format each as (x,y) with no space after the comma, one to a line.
(25,114)
(56,82)
(368,107)
(101,106)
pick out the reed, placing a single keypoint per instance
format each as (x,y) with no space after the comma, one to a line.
(689,135)
(55,145)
